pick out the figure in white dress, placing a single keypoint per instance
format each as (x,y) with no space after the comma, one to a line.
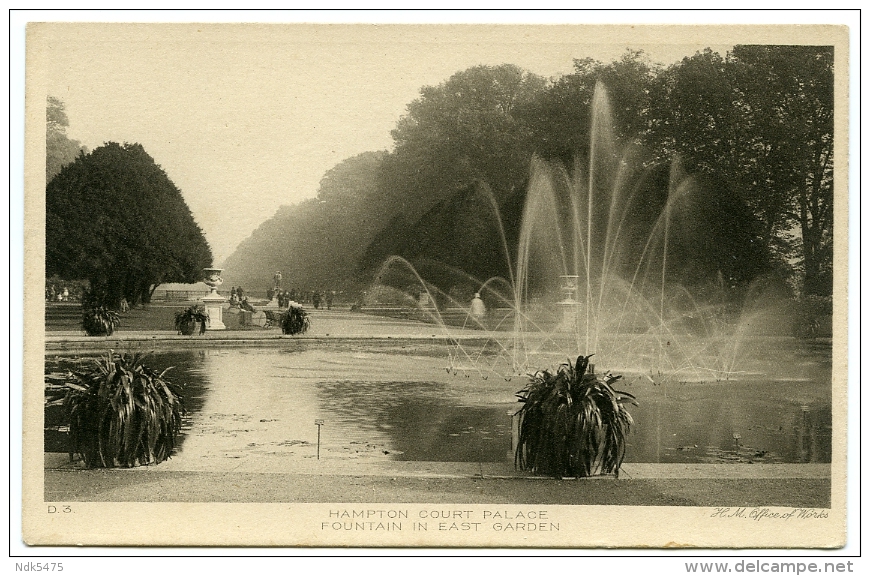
(478,308)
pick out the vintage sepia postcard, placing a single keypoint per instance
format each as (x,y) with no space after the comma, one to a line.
(546,286)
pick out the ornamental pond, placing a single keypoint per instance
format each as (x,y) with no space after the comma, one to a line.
(386,400)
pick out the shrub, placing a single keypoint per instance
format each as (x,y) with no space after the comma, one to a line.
(100,321)
(185,320)
(810,312)
(122,413)
(572,423)
(295,320)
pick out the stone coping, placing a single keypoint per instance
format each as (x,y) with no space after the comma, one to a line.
(407,469)
(63,341)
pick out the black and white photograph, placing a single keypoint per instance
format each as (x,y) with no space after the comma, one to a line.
(435,285)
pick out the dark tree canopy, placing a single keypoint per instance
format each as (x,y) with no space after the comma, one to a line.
(559,118)
(464,130)
(114,218)
(753,128)
(789,101)
(760,120)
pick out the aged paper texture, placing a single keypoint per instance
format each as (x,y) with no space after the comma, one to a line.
(201,99)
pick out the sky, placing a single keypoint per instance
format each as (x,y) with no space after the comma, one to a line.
(245,119)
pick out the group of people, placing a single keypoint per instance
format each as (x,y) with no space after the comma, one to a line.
(59,289)
(53,294)
(283,297)
(239,298)
(322,299)
(317,298)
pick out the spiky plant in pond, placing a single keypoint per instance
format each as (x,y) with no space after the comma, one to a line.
(122,413)
(295,320)
(572,422)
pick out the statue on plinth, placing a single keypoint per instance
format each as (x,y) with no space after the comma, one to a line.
(275,292)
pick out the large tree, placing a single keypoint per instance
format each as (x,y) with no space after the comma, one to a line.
(114,218)
(560,118)
(760,120)
(788,97)
(60,150)
(457,133)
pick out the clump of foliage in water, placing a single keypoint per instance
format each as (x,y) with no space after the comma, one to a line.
(572,422)
(121,412)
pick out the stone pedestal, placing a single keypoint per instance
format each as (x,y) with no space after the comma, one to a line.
(214,305)
(568,323)
(214,302)
(568,304)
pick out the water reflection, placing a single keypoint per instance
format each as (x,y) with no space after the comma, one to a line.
(403,405)
(429,421)
(698,422)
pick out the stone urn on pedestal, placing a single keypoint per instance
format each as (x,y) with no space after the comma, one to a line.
(568,304)
(214,302)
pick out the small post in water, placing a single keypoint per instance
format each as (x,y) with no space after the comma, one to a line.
(319,423)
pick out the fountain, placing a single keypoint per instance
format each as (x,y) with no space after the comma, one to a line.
(648,270)
(599,266)
(609,257)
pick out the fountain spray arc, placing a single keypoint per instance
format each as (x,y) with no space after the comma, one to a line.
(592,272)
(590,236)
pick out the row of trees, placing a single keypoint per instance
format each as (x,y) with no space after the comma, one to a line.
(755,125)
(115,219)
(318,242)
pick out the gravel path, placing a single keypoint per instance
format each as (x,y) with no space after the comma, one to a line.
(156,486)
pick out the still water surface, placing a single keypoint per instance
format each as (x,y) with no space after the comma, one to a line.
(403,403)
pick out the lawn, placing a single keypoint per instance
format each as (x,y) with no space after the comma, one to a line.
(68,316)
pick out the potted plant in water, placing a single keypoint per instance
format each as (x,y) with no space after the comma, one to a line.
(572,422)
(186,320)
(122,413)
(295,320)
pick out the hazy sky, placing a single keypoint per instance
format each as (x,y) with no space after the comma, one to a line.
(246,119)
